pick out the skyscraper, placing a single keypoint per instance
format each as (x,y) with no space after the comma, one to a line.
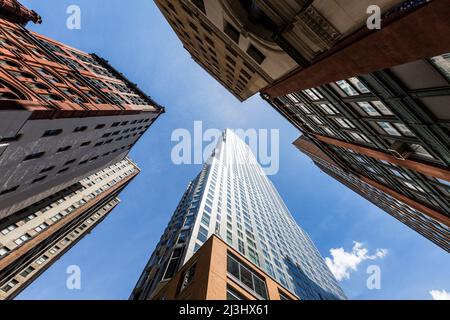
(279,46)
(64,114)
(234,199)
(33,239)
(67,122)
(394,204)
(390,129)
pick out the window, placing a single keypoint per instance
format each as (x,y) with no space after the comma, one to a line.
(317,120)
(359,85)
(245,276)
(347,88)
(27,271)
(206,219)
(404,129)
(84,144)
(202,234)
(47,169)
(345,123)
(40,227)
(283,296)
(183,236)
(369,109)
(200,5)
(39,179)
(3,251)
(232,32)
(328,108)
(62,149)
(442,63)
(304,108)
(229,238)
(30,217)
(389,128)
(443,182)
(10,285)
(241,246)
(359,137)
(188,277)
(329,131)
(70,162)
(234,295)
(418,150)
(257,55)
(34,156)
(313,94)
(9,190)
(174,261)
(99,126)
(412,186)
(50,133)
(80,129)
(189,220)
(253,256)
(293,98)
(22,239)
(62,170)
(9,229)
(41,260)
(382,108)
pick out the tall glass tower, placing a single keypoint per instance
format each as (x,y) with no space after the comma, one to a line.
(233,199)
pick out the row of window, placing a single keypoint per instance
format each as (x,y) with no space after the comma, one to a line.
(60,215)
(53,251)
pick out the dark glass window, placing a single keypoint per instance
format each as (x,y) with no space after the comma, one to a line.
(188,277)
(80,129)
(234,295)
(70,162)
(247,277)
(283,296)
(47,169)
(200,5)
(257,55)
(173,263)
(232,32)
(183,236)
(50,133)
(62,149)
(39,179)
(34,156)
(9,190)
(233,268)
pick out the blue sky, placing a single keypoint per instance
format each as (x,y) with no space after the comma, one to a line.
(136,40)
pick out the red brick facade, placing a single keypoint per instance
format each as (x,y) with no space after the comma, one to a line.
(54,80)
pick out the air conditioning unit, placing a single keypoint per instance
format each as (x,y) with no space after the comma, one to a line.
(399,150)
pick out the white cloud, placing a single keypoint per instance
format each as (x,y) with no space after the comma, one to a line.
(440,295)
(342,263)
